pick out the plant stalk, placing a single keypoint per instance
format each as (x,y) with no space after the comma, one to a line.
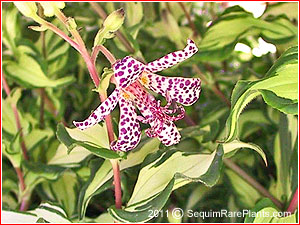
(17,118)
(294,203)
(117,183)
(187,15)
(90,63)
(215,89)
(239,171)
(24,201)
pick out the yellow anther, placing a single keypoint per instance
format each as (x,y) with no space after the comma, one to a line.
(144,78)
(126,95)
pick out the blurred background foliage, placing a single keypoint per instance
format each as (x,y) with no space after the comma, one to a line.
(49,84)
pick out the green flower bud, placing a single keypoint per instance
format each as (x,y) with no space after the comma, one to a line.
(28,9)
(115,20)
(51,7)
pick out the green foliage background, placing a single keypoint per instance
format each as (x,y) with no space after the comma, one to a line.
(69,178)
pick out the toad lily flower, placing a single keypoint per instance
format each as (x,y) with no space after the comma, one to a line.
(133,78)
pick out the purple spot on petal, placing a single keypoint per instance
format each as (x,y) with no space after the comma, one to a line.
(123,130)
(187,82)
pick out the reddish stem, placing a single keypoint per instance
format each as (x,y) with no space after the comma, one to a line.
(294,203)
(90,62)
(191,23)
(21,179)
(117,183)
(25,199)
(105,52)
(62,35)
(17,117)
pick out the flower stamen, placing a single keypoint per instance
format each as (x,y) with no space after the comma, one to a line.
(144,79)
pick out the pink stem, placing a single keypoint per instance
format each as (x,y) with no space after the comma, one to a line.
(105,52)
(17,118)
(117,183)
(63,35)
(294,203)
(90,62)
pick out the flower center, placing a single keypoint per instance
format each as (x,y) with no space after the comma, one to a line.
(144,79)
(126,95)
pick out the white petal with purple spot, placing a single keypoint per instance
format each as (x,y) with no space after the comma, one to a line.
(129,127)
(183,90)
(99,114)
(172,58)
(169,134)
(127,71)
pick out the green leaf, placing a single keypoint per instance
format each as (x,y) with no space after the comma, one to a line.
(39,172)
(36,137)
(282,104)
(170,28)
(11,28)
(65,191)
(143,212)
(103,218)
(163,172)
(166,164)
(9,124)
(12,150)
(243,97)
(29,73)
(217,43)
(251,121)
(63,158)
(229,147)
(46,211)
(245,195)
(284,143)
(65,138)
(100,175)
(134,13)
(78,153)
(98,182)
(266,212)
(203,133)
(288,8)
(273,219)
(263,203)
(281,80)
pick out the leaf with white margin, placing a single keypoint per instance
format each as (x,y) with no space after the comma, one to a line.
(229,147)
(47,211)
(279,89)
(163,172)
(78,153)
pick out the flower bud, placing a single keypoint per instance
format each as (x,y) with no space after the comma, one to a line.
(51,7)
(28,9)
(115,20)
